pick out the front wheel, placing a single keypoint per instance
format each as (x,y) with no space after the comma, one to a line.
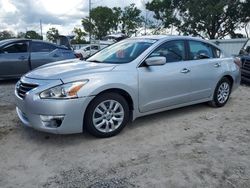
(222,93)
(106,115)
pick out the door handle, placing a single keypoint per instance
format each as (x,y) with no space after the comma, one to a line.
(185,70)
(217,65)
(55,55)
(22,58)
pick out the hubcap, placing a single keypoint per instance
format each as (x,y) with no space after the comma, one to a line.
(223,92)
(108,116)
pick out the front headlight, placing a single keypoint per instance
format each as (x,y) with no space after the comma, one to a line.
(65,91)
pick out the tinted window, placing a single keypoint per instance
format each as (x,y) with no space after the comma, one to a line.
(199,50)
(95,47)
(20,47)
(173,51)
(217,52)
(42,47)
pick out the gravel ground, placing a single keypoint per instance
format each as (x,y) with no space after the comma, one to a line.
(196,146)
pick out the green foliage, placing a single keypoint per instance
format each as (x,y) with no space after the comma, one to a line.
(206,18)
(104,20)
(52,34)
(20,35)
(79,36)
(32,35)
(131,19)
(117,12)
(6,35)
(101,21)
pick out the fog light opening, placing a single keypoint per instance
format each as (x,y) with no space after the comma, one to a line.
(52,121)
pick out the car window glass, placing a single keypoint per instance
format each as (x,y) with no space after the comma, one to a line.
(217,52)
(20,47)
(199,50)
(94,47)
(122,52)
(87,49)
(173,51)
(42,47)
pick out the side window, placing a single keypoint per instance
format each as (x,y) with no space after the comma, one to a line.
(173,51)
(20,47)
(199,50)
(41,47)
(95,47)
(217,52)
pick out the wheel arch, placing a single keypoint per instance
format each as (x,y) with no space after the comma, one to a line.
(230,78)
(127,96)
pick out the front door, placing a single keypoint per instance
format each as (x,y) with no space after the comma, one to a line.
(165,85)
(14,59)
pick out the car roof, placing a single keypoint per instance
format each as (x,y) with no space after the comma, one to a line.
(6,41)
(160,37)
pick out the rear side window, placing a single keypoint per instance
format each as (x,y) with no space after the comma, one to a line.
(94,47)
(199,50)
(217,52)
(42,47)
(20,47)
(174,51)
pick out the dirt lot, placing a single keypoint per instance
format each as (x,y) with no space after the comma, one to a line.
(195,146)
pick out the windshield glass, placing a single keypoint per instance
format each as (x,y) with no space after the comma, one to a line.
(122,52)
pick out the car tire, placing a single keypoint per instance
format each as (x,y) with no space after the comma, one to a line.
(106,115)
(221,93)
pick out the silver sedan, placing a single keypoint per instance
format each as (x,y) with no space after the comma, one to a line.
(130,79)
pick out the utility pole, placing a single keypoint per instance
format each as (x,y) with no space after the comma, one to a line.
(90,22)
(41,28)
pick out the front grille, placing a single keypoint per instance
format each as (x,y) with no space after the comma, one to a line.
(245,69)
(246,65)
(22,88)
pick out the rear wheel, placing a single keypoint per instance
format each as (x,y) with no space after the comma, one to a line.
(106,115)
(222,93)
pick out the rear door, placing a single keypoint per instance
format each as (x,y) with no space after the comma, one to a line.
(205,69)
(43,53)
(14,59)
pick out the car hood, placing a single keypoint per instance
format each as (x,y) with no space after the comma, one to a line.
(65,69)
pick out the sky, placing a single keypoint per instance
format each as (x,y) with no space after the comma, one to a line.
(23,15)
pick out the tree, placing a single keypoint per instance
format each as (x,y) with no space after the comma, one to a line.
(117,12)
(79,38)
(130,19)
(52,34)
(207,18)
(20,35)
(33,35)
(101,21)
(6,35)
(246,17)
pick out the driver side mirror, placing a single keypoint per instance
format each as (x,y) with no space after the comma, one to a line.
(154,61)
(203,56)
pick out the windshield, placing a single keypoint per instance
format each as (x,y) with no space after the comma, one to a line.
(122,52)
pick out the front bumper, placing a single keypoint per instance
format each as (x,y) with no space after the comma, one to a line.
(31,108)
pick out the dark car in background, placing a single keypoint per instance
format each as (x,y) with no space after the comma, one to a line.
(18,56)
(245,63)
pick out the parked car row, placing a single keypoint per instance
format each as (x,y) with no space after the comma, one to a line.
(129,79)
(18,56)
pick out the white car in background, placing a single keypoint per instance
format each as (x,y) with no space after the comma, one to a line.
(89,50)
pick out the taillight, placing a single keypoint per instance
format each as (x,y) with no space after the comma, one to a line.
(237,61)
